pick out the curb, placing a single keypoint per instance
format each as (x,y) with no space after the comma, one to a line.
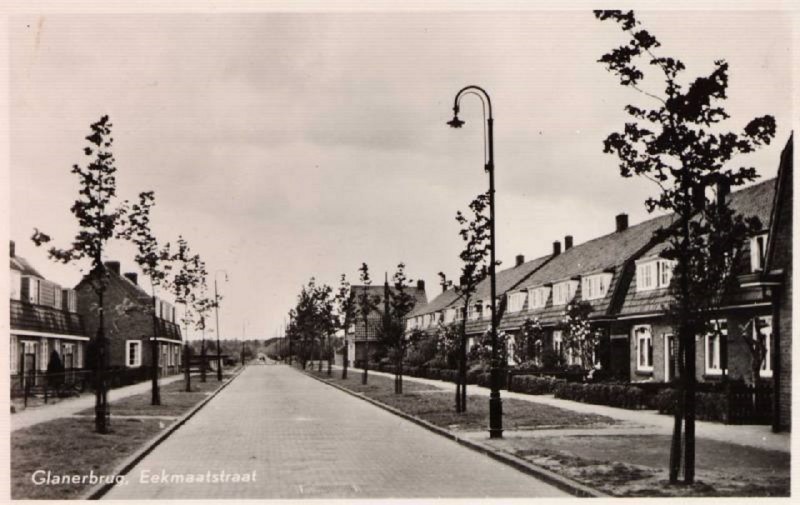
(559,481)
(98,490)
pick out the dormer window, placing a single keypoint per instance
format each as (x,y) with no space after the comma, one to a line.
(449,315)
(15,285)
(594,287)
(563,292)
(539,296)
(475,311)
(758,252)
(516,301)
(653,274)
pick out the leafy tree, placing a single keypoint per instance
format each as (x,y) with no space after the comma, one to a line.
(392,333)
(475,232)
(756,345)
(448,343)
(676,141)
(101,219)
(154,261)
(528,345)
(202,305)
(346,313)
(579,339)
(366,305)
(186,275)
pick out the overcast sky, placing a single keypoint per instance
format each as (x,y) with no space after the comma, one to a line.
(285,146)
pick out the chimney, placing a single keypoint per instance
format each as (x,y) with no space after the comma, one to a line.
(113,266)
(520,260)
(556,248)
(421,285)
(133,277)
(622,222)
(11,249)
(567,242)
(723,190)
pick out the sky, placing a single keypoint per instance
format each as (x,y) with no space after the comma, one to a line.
(289,145)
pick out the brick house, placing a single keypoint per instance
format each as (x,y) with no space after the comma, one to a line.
(43,320)
(129,322)
(624,280)
(359,334)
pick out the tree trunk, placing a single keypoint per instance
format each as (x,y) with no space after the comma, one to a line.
(155,397)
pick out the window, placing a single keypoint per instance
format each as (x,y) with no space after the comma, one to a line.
(758,252)
(438,317)
(715,339)
(458,313)
(654,274)
(594,287)
(762,332)
(643,337)
(68,356)
(30,290)
(563,292)
(558,342)
(133,353)
(539,297)
(449,315)
(516,301)
(15,285)
(475,311)
(69,300)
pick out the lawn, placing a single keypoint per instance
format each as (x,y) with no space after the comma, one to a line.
(636,465)
(71,446)
(437,406)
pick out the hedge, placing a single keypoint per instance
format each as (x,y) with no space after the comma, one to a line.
(708,406)
(614,395)
(533,384)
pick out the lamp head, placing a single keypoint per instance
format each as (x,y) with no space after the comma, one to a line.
(455,122)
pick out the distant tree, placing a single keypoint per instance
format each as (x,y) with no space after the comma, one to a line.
(580,340)
(676,142)
(528,345)
(392,333)
(366,305)
(448,343)
(346,313)
(100,220)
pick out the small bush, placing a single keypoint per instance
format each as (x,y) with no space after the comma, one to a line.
(614,395)
(533,385)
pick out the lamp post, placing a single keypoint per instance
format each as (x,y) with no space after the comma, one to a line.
(216,312)
(495,403)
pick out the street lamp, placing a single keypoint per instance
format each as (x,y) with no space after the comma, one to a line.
(495,403)
(216,311)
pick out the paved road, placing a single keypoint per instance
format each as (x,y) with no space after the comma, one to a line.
(303,439)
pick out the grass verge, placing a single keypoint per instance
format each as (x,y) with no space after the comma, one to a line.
(69,446)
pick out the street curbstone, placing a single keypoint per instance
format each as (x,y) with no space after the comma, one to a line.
(97,491)
(564,483)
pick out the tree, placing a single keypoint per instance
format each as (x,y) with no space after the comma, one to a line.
(528,346)
(755,338)
(475,232)
(366,305)
(580,340)
(675,141)
(100,221)
(346,312)
(187,273)
(311,320)
(202,305)
(392,333)
(154,261)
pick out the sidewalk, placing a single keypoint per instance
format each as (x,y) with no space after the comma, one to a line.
(759,436)
(69,407)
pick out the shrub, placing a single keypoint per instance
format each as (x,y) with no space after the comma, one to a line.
(614,395)
(436,363)
(533,385)
(448,375)
(708,406)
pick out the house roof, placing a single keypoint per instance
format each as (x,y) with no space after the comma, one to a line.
(39,318)
(21,265)
(755,200)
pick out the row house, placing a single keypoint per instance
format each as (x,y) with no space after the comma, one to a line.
(128,317)
(44,322)
(361,334)
(624,280)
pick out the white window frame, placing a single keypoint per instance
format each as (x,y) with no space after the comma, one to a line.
(758,252)
(538,297)
(137,355)
(654,273)
(644,361)
(558,342)
(716,351)
(449,316)
(766,366)
(595,287)
(33,290)
(564,292)
(516,301)
(667,338)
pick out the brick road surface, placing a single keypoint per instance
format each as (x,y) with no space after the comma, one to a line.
(304,439)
